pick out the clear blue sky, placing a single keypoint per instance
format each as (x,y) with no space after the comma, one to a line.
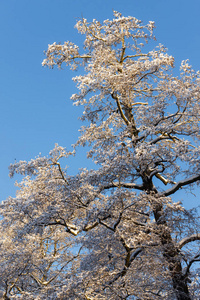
(35,111)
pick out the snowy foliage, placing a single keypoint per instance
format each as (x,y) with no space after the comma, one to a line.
(113,232)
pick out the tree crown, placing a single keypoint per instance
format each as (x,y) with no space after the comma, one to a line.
(112,232)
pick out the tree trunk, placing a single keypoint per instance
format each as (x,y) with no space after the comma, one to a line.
(170,251)
(172,255)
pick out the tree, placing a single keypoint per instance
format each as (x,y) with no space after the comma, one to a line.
(112,232)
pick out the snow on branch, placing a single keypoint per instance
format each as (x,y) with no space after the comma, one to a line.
(192,238)
(123,184)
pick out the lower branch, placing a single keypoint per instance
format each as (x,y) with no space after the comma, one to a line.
(195,259)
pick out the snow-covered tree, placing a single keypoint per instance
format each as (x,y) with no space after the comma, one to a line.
(113,232)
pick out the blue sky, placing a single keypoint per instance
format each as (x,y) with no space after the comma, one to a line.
(35,110)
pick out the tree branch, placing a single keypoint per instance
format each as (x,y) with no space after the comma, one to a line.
(129,259)
(192,238)
(143,76)
(180,184)
(114,96)
(195,259)
(123,184)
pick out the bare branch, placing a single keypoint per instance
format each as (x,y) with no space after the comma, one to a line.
(143,76)
(129,259)
(195,259)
